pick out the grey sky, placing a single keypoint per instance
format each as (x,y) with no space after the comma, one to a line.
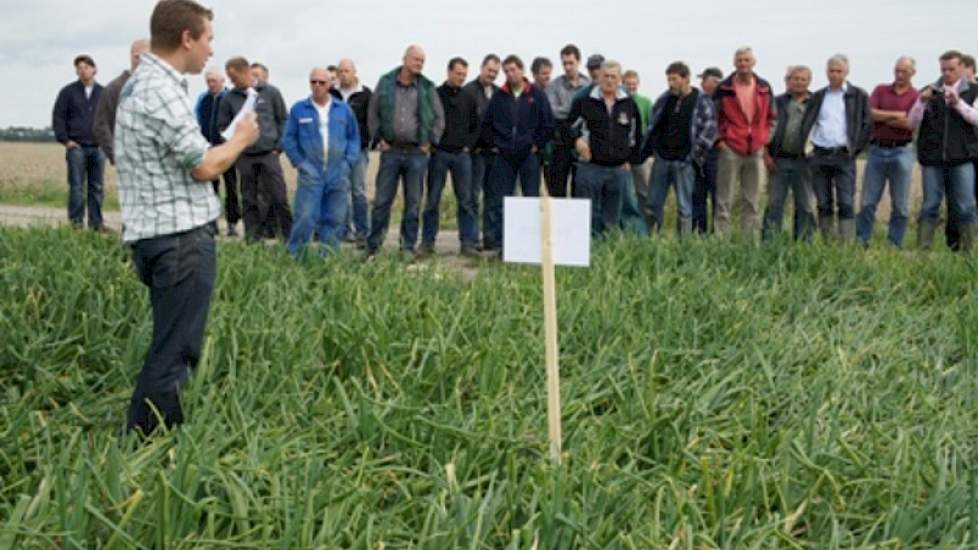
(40,38)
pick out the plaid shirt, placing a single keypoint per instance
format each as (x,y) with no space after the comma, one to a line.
(157,144)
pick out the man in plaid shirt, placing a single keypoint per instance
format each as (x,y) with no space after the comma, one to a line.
(164,168)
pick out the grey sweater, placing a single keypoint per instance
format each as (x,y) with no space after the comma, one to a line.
(270,109)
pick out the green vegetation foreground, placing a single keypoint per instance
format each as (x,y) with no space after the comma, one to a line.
(715,395)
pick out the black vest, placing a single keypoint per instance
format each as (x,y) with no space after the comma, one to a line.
(945,137)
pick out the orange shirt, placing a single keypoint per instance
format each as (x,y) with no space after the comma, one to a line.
(747,98)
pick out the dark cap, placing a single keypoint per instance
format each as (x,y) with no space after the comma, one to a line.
(595,61)
(711,71)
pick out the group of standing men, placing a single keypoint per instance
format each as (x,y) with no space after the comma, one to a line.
(164,160)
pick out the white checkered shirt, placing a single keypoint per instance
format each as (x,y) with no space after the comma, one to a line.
(158,144)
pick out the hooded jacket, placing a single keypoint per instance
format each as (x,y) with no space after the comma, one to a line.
(515,124)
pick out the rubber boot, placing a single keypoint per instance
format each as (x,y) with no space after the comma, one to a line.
(968,238)
(847,230)
(925,235)
(826,226)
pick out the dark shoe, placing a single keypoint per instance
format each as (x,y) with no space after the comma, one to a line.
(469,251)
(925,235)
(361,243)
(369,255)
(408,256)
(426,250)
(232,232)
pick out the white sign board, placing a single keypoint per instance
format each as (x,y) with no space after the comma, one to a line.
(570,231)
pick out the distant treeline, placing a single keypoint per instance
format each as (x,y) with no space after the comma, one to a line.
(16,133)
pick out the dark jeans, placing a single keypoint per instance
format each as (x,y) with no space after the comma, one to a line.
(460,164)
(503,184)
(834,182)
(958,184)
(408,165)
(481,174)
(705,187)
(264,194)
(792,175)
(952,231)
(85,162)
(561,168)
(232,205)
(179,271)
(605,186)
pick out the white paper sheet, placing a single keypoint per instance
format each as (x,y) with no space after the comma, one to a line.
(248,107)
(570,231)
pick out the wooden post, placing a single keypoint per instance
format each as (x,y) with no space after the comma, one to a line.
(550,328)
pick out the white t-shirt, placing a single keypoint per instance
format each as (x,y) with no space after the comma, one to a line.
(88,91)
(324,125)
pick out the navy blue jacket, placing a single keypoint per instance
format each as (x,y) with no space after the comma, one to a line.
(206,110)
(515,125)
(74,114)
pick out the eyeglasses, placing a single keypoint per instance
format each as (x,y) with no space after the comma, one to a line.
(318,82)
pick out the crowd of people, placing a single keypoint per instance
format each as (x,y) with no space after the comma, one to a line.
(589,136)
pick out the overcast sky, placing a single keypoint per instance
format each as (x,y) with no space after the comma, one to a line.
(39,39)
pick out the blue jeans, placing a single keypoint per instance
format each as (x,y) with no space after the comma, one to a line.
(896,165)
(605,186)
(356,213)
(632,215)
(505,169)
(790,175)
(665,174)
(322,209)
(179,270)
(85,161)
(481,174)
(834,181)
(705,188)
(460,165)
(408,165)
(961,193)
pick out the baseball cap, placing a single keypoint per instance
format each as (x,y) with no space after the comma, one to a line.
(711,71)
(594,61)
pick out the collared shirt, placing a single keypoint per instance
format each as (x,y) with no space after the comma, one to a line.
(157,145)
(406,114)
(347,92)
(561,92)
(793,143)
(324,123)
(886,98)
(830,128)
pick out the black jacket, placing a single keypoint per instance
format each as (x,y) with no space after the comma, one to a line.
(781,104)
(517,124)
(461,120)
(859,121)
(271,111)
(945,137)
(474,89)
(614,138)
(359,101)
(73,117)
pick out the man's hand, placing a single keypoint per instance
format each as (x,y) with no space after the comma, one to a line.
(721,145)
(382,146)
(952,97)
(769,163)
(247,130)
(69,145)
(627,167)
(534,150)
(583,149)
(426,148)
(927,94)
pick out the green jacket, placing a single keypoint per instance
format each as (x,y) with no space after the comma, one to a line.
(644,109)
(385,107)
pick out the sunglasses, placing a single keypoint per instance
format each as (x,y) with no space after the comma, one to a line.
(318,82)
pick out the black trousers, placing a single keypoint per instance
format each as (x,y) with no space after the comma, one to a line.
(562,164)
(179,271)
(264,195)
(952,231)
(232,204)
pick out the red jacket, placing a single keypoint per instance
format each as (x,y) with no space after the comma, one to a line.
(740,136)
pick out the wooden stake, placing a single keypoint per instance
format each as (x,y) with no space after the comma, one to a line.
(550,328)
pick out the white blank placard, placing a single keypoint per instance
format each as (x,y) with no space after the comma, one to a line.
(570,227)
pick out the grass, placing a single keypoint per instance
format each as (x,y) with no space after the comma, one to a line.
(49,194)
(722,395)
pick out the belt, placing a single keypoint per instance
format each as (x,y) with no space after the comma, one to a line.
(403,145)
(890,143)
(831,150)
(790,156)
